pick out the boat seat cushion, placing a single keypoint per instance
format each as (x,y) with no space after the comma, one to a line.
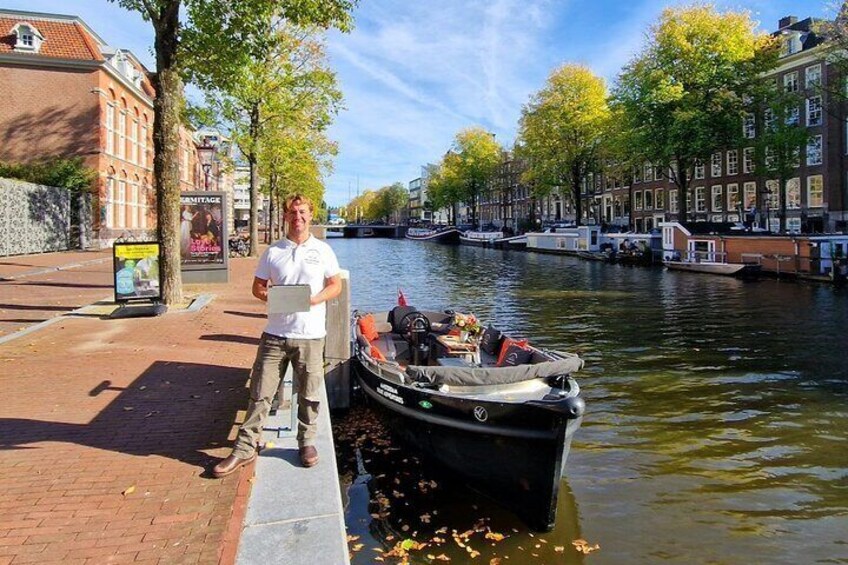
(515,355)
(368,327)
(507,341)
(490,341)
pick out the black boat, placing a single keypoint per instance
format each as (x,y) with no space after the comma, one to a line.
(443,235)
(506,430)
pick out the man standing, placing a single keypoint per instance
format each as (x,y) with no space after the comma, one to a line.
(289,338)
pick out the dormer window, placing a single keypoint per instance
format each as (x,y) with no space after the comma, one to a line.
(28,37)
(792,43)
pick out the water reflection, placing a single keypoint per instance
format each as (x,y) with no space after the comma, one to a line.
(716,421)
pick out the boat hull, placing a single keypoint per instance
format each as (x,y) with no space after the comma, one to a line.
(515,454)
(447,236)
(726,269)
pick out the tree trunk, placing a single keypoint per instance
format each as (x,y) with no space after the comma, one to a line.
(575,190)
(254,180)
(682,185)
(166,143)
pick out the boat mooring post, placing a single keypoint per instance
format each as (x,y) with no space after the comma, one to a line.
(337,348)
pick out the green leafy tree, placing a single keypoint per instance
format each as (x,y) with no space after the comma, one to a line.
(174,42)
(469,166)
(561,129)
(390,201)
(684,96)
(835,33)
(445,187)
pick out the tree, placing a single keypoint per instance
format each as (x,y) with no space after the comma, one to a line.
(286,82)
(173,40)
(445,187)
(561,129)
(684,96)
(390,200)
(835,34)
(781,139)
(469,165)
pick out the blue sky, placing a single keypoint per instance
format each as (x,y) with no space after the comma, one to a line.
(415,73)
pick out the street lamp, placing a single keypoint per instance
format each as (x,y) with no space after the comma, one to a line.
(205,153)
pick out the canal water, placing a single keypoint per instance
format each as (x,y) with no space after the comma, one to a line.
(716,428)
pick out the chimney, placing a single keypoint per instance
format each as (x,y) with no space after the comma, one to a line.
(786,21)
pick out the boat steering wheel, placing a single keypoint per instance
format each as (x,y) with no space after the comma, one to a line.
(414,321)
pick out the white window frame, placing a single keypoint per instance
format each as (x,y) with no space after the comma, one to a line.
(143,152)
(732,197)
(748,160)
(749,126)
(673,202)
(637,200)
(110,128)
(716,198)
(121,204)
(790,82)
(700,170)
(793,224)
(773,194)
(122,133)
(700,199)
(134,140)
(649,196)
(648,172)
(812,76)
(715,165)
(793,194)
(749,195)
(659,199)
(109,202)
(814,111)
(815,150)
(815,194)
(732,162)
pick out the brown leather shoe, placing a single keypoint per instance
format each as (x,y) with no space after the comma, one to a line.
(308,456)
(230,465)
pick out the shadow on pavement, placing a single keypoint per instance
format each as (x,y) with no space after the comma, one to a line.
(36,308)
(67,285)
(175,410)
(232,338)
(257,315)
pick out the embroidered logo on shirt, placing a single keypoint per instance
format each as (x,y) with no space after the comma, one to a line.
(312,257)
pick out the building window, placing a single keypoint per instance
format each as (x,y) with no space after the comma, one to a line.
(814,111)
(749,194)
(649,200)
(768,119)
(790,82)
(122,133)
(143,150)
(110,128)
(732,197)
(637,198)
(773,194)
(715,170)
(770,159)
(27,37)
(109,204)
(121,204)
(748,160)
(793,194)
(749,126)
(793,118)
(717,196)
(793,225)
(732,162)
(134,140)
(673,207)
(659,201)
(814,151)
(815,191)
(699,170)
(700,200)
(637,175)
(649,172)
(812,76)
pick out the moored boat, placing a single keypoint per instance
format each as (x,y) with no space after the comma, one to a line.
(498,413)
(715,268)
(443,235)
(480,238)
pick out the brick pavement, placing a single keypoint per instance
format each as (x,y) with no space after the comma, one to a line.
(36,288)
(108,429)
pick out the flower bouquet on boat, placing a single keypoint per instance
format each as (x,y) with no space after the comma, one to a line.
(491,408)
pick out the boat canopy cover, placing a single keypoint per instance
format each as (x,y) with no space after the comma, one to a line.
(477,376)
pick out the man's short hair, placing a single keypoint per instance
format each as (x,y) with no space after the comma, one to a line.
(300,199)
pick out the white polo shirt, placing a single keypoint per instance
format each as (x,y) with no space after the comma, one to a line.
(310,263)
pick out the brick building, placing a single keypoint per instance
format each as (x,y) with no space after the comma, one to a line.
(69,94)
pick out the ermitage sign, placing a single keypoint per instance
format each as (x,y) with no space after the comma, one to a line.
(203,231)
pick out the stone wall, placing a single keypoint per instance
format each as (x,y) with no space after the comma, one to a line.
(33,218)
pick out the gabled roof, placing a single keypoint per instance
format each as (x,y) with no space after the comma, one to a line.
(65,37)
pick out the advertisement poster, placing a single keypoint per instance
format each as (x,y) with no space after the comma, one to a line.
(202,238)
(136,269)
